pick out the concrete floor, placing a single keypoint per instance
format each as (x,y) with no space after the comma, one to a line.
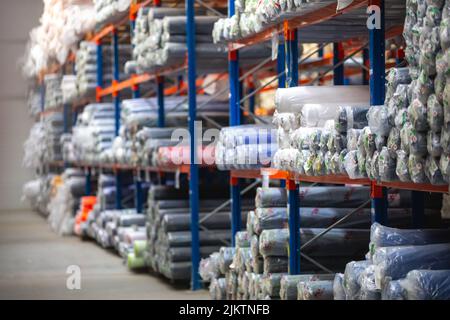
(34,260)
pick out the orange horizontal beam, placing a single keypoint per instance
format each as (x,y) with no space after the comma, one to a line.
(96,38)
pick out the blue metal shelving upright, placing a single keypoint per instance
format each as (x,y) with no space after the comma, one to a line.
(292,80)
(194,170)
(235,120)
(377,95)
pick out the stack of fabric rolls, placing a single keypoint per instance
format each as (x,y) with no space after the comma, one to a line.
(53,93)
(160,41)
(314,127)
(401,265)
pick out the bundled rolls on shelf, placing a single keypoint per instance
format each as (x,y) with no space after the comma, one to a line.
(245,147)
(69,21)
(53,92)
(252,17)
(160,41)
(423,285)
(86,63)
(316,126)
(396,262)
(110,11)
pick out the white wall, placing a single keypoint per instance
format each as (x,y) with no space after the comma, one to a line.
(17,18)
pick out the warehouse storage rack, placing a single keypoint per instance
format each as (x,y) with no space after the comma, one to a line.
(290,32)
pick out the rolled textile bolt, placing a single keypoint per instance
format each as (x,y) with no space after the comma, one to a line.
(209,267)
(397,76)
(367,283)
(401,118)
(352,272)
(435,114)
(395,262)
(393,290)
(351,117)
(250,223)
(183,238)
(434,146)
(433,172)
(338,287)
(134,262)
(394,142)
(361,160)
(243,255)
(258,265)
(242,239)
(271,284)
(444,165)
(353,138)
(288,285)
(445,140)
(416,167)
(427,285)
(445,32)
(184,254)
(316,290)
(367,141)
(387,166)
(378,118)
(275,264)
(418,115)
(417,142)
(139,247)
(217,289)
(226,258)
(401,169)
(254,246)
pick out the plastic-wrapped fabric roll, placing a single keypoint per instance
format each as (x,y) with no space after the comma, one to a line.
(427,285)
(418,115)
(294,99)
(416,168)
(402,169)
(275,265)
(434,147)
(352,272)
(368,289)
(288,285)
(401,118)
(134,262)
(439,87)
(353,138)
(217,289)
(231,280)
(182,222)
(226,258)
(209,267)
(286,159)
(242,256)
(337,242)
(183,238)
(139,248)
(435,114)
(398,101)
(258,265)
(338,287)
(183,254)
(433,171)
(351,117)
(277,218)
(393,290)
(254,246)
(417,142)
(250,223)
(128,220)
(242,239)
(367,142)
(396,77)
(404,137)
(271,284)
(396,262)
(445,32)
(316,290)
(271,197)
(423,88)
(378,118)
(177,270)
(445,139)
(386,166)
(288,121)
(444,165)
(394,142)
(352,166)
(380,142)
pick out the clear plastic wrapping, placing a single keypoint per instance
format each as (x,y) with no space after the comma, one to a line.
(386,166)
(402,169)
(416,168)
(427,285)
(433,171)
(368,289)
(393,290)
(378,119)
(209,267)
(418,115)
(434,147)
(435,114)
(338,287)
(394,142)
(395,262)
(316,290)
(352,272)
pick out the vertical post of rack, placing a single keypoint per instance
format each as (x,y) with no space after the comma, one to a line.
(194,170)
(281,67)
(235,120)
(338,55)
(377,95)
(160,94)
(291,39)
(366,62)
(116,100)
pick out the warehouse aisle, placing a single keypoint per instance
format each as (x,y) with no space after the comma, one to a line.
(34,260)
